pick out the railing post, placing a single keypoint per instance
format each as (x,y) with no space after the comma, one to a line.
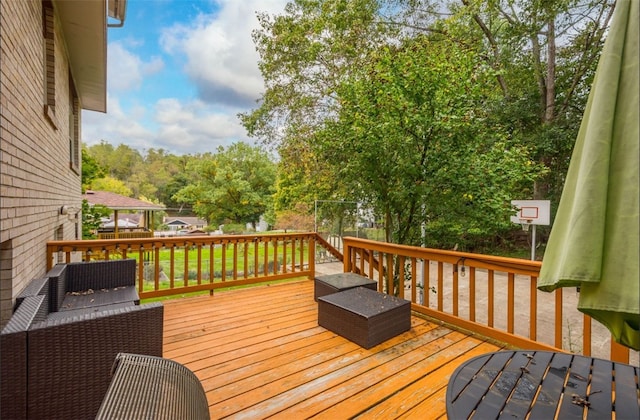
(49,257)
(346,251)
(312,256)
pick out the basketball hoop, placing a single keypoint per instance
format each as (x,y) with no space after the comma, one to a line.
(531,213)
(525,223)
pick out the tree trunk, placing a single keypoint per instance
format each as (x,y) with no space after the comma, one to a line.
(541,188)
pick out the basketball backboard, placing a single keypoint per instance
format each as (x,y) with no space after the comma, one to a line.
(532,212)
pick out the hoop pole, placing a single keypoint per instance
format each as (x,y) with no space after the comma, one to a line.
(533,243)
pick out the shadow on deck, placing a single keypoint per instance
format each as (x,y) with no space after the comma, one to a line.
(259,352)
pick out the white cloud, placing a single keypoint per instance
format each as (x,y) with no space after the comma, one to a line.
(178,127)
(195,126)
(117,126)
(219,60)
(126,70)
(220,54)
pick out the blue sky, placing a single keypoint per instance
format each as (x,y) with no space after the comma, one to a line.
(179,72)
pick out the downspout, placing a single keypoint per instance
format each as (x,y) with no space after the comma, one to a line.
(119,11)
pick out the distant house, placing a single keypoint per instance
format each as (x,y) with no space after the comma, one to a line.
(185,223)
(53,65)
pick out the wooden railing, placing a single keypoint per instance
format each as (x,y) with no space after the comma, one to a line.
(492,296)
(125,235)
(185,264)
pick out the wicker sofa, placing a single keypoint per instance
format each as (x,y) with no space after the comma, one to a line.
(57,349)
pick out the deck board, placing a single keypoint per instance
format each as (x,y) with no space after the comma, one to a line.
(259,353)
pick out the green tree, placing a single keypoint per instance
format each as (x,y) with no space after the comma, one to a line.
(175,179)
(537,59)
(545,54)
(112,185)
(235,185)
(92,219)
(119,162)
(91,169)
(413,127)
(305,53)
(300,218)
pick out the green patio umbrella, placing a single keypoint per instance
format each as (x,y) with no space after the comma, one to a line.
(594,239)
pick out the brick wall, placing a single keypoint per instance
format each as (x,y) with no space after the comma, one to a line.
(35,174)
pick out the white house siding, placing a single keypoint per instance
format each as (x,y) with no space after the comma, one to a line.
(35,174)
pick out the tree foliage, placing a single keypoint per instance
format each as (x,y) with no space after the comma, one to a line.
(414,129)
(545,54)
(111,184)
(92,219)
(91,169)
(297,218)
(234,185)
(429,113)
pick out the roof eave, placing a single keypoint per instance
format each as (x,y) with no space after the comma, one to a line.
(84,25)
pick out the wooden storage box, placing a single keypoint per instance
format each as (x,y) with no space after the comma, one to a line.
(364,316)
(333,283)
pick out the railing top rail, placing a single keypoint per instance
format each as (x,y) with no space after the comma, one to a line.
(88,243)
(491,262)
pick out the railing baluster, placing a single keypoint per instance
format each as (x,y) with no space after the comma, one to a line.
(456,292)
(156,266)
(381,272)
(256,259)
(266,256)
(304,243)
(172,265)
(440,285)
(472,294)
(276,268)
(510,302)
(390,274)
(185,269)
(212,271)
(490,297)
(293,255)
(141,269)
(235,260)
(284,256)
(246,260)
(533,308)
(558,318)
(426,282)
(414,275)
(586,335)
(199,266)
(619,353)
(224,261)
(401,275)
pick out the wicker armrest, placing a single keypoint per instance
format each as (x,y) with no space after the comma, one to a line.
(69,379)
(153,387)
(13,356)
(34,288)
(89,276)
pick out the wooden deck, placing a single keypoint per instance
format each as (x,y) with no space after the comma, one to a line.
(259,352)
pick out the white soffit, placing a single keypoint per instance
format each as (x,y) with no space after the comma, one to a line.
(84,24)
